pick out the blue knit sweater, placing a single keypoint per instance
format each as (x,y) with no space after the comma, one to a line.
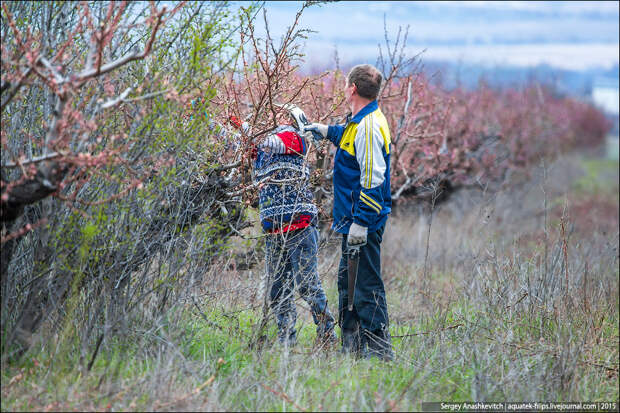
(285,193)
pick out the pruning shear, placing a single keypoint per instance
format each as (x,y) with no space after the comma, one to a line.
(353,263)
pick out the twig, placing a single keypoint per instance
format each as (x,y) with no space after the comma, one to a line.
(95,352)
(100,70)
(284,397)
(428,332)
(564,248)
(428,238)
(186,395)
(518,301)
(36,159)
(401,122)
(117,100)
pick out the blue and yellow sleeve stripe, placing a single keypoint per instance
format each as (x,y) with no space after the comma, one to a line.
(369,150)
(374,205)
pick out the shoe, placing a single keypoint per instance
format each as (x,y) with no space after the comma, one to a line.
(351,343)
(378,344)
(325,334)
(289,340)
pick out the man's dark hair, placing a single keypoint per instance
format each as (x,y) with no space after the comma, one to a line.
(367,79)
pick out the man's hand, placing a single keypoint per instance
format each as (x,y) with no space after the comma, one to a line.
(357,235)
(318,131)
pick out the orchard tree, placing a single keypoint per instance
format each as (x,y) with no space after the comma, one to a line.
(101,175)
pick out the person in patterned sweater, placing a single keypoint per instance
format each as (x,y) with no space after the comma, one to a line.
(288,216)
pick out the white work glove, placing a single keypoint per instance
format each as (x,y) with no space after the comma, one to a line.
(298,116)
(273,144)
(317,131)
(357,235)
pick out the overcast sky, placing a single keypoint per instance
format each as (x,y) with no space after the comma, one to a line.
(566,35)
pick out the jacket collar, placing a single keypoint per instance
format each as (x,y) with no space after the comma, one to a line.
(371,107)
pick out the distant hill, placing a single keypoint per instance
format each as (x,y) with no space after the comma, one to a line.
(578,83)
(452,74)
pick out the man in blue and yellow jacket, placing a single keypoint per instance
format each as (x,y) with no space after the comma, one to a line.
(362,203)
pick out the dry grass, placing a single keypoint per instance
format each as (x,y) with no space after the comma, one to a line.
(521,303)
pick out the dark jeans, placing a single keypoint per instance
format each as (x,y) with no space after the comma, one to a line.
(369,307)
(292,262)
